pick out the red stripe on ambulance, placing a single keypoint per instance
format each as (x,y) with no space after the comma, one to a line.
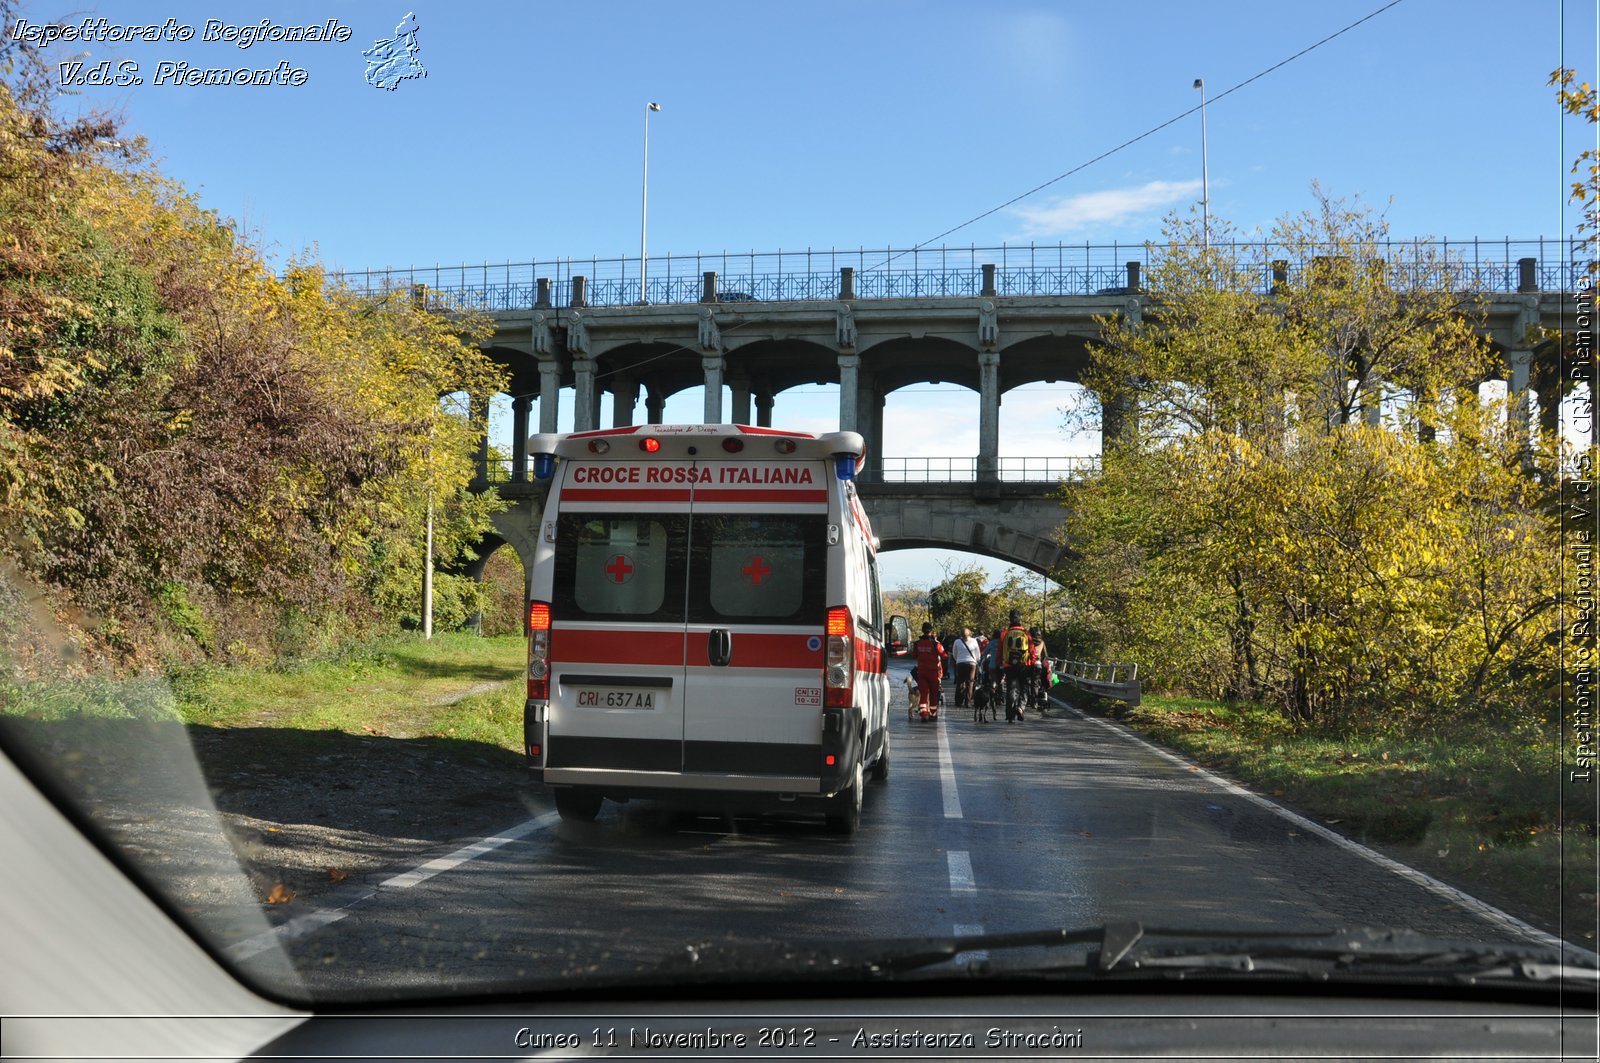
(753,649)
(757,496)
(631,646)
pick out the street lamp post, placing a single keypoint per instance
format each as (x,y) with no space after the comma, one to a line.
(1205,176)
(644,197)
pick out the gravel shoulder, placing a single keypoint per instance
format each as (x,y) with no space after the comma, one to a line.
(242,819)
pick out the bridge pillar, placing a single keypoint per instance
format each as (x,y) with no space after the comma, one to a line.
(871,412)
(739,387)
(989,415)
(479,405)
(549,393)
(520,405)
(1119,424)
(586,400)
(763,407)
(1372,400)
(1520,361)
(655,404)
(849,392)
(713,366)
(624,396)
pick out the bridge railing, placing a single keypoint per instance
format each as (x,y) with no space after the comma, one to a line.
(1019,269)
(1119,682)
(926,470)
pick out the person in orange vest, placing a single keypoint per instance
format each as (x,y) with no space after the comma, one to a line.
(930,671)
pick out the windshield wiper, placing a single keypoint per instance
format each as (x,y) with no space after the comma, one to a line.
(1127,949)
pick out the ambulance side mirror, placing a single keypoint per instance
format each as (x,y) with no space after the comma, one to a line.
(897,634)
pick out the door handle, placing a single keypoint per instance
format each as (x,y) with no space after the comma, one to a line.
(719,647)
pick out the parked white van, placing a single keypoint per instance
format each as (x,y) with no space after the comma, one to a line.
(705,621)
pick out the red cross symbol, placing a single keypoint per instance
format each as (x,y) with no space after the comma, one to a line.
(620,568)
(757,570)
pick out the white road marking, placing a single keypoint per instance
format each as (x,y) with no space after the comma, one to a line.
(967,930)
(301,925)
(1488,912)
(947,776)
(961,880)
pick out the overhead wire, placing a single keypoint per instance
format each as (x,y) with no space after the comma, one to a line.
(1147,133)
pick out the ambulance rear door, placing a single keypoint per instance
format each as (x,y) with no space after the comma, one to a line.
(757,613)
(617,623)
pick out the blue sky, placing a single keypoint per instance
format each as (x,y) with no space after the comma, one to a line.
(841,124)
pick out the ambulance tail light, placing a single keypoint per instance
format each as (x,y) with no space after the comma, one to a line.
(649,444)
(539,651)
(839,669)
(733,445)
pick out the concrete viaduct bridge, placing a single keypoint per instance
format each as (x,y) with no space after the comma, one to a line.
(744,329)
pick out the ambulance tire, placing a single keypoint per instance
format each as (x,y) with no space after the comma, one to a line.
(577,806)
(844,808)
(880,767)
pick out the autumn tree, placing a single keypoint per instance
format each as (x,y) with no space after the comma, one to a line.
(1309,504)
(960,600)
(184,434)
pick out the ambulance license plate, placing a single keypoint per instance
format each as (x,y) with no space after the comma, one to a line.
(591,698)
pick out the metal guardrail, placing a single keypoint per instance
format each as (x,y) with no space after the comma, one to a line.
(1101,679)
(1032,269)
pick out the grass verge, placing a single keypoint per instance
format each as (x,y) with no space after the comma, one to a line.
(1479,810)
(457,685)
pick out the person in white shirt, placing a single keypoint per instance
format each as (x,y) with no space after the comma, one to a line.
(964,651)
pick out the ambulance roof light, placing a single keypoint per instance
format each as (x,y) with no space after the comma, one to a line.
(544,466)
(844,466)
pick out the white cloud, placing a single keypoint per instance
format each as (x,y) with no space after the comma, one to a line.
(1078,214)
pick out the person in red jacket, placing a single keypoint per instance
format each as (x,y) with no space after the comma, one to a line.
(930,671)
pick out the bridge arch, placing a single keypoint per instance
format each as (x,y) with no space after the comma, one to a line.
(1020,528)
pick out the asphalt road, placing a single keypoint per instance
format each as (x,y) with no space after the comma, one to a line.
(1063,821)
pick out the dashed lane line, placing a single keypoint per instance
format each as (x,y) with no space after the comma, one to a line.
(961,880)
(301,925)
(947,776)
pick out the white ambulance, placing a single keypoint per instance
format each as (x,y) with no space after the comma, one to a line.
(705,622)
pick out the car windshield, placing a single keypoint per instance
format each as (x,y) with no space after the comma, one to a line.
(1134,523)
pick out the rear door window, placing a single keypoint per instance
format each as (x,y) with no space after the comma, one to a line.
(611,567)
(758,569)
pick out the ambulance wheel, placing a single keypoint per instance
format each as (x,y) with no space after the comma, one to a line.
(880,767)
(578,806)
(844,808)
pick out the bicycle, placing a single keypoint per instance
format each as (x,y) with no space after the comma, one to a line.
(1039,692)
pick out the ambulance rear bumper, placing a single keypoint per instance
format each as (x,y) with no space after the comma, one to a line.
(648,783)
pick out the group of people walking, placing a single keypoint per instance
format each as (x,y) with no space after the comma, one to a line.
(1012,661)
